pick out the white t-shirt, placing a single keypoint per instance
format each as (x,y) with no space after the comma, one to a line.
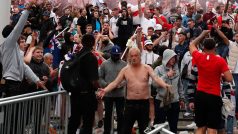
(29,39)
(148,57)
(113,22)
(233,56)
(145,23)
(75,22)
(53,15)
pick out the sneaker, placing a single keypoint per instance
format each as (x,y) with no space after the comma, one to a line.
(192,125)
(183,132)
(100,124)
(187,114)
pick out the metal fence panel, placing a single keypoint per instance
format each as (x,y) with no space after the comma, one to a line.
(35,114)
(159,128)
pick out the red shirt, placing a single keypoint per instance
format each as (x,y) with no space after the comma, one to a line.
(166,25)
(100,60)
(236,18)
(219,20)
(209,16)
(210,67)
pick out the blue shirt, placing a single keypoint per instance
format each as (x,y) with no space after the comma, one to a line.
(181,49)
(98,26)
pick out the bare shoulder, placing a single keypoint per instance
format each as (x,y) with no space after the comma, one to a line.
(147,67)
(124,69)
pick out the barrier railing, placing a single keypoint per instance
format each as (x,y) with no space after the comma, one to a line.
(23,95)
(158,128)
(36,114)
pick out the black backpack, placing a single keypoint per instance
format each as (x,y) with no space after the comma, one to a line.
(70,73)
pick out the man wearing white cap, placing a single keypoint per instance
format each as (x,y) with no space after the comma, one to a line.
(157,32)
(158,27)
(147,55)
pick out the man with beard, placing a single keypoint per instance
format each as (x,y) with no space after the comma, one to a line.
(106,30)
(107,73)
(147,55)
(137,97)
(182,46)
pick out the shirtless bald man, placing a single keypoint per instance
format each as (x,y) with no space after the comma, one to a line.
(137,95)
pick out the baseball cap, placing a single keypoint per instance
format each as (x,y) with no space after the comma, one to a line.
(115,50)
(197,16)
(46,13)
(21,6)
(158,27)
(147,42)
(183,33)
(95,31)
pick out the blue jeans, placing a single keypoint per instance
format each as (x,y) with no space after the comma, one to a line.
(229,124)
(185,88)
(222,50)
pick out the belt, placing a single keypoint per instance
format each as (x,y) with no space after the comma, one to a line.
(4,81)
(142,101)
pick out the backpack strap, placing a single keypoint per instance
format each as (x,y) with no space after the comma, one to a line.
(79,57)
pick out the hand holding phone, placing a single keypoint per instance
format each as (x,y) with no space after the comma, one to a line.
(138,29)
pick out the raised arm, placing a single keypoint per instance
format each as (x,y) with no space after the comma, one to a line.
(221,34)
(28,56)
(157,41)
(111,36)
(16,32)
(193,45)
(139,8)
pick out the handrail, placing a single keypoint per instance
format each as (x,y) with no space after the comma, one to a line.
(23,95)
(32,97)
(160,127)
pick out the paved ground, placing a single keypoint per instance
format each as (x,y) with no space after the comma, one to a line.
(100,131)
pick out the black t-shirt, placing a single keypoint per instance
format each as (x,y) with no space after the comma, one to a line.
(66,21)
(154,37)
(88,71)
(82,22)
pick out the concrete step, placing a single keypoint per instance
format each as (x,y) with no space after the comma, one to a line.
(183,122)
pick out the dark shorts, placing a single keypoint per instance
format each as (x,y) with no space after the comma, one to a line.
(208,110)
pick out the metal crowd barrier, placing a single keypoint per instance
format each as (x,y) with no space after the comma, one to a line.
(23,95)
(35,114)
(159,128)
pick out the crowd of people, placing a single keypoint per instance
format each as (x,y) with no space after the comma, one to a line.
(148,63)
